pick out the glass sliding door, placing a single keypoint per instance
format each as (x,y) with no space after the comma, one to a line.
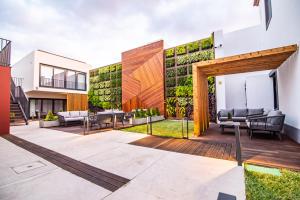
(47,106)
(59,78)
(58,106)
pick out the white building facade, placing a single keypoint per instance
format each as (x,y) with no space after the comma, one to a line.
(48,78)
(270,90)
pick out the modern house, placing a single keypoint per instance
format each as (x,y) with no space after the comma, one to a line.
(52,82)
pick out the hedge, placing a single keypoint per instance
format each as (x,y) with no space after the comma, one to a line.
(181,71)
(190,68)
(170,63)
(170,53)
(181,81)
(180,49)
(195,57)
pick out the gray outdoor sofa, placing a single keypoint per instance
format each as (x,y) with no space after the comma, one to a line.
(71,117)
(239,115)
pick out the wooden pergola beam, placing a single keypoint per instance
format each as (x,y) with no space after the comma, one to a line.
(248,62)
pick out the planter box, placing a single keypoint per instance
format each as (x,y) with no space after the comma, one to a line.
(144,120)
(45,124)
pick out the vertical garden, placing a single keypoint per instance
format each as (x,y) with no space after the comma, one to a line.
(106,87)
(178,75)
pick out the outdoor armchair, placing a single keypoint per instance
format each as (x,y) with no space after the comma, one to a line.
(272,123)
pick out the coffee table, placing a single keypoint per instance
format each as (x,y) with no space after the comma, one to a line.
(228,124)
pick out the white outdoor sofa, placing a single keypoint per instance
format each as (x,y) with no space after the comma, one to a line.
(71,117)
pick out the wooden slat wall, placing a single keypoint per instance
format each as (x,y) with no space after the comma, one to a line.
(143,77)
(77,102)
(249,62)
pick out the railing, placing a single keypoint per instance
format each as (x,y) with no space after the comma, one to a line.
(18,96)
(18,81)
(5,49)
(62,84)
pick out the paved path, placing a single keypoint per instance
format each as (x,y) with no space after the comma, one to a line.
(153,173)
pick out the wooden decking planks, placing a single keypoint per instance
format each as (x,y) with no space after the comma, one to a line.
(200,148)
(95,175)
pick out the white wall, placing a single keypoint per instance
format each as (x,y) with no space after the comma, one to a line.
(259,92)
(24,69)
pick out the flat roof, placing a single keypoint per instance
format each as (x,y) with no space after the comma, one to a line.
(60,56)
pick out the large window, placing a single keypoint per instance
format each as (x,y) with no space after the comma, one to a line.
(56,77)
(43,106)
(268,12)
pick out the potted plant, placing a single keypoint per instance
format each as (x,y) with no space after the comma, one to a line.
(140,116)
(229,116)
(49,121)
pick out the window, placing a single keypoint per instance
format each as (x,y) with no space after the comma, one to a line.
(268,12)
(58,106)
(81,81)
(71,79)
(59,78)
(46,76)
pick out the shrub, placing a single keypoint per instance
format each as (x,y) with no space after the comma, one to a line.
(181,71)
(119,67)
(119,91)
(182,60)
(107,98)
(181,80)
(119,82)
(171,73)
(101,92)
(106,105)
(101,98)
(201,56)
(104,70)
(171,92)
(211,84)
(107,91)
(101,85)
(113,83)
(170,82)
(180,49)
(95,85)
(50,116)
(170,63)
(112,68)
(96,92)
(171,106)
(104,76)
(207,43)
(119,74)
(113,75)
(107,84)
(170,53)
(193,46)
(157,113)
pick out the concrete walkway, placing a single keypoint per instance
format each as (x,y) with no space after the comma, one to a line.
(154,174)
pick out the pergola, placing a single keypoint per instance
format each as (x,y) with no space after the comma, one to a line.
(248,62)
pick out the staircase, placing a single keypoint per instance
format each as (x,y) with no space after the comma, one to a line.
(19,105)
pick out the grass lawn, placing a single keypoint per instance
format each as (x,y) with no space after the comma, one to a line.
(261,186)
(166,128)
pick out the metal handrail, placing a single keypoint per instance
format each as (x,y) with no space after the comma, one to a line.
(63,84)
(5,50)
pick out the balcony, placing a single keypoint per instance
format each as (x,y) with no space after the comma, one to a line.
(5,49)
(62,84)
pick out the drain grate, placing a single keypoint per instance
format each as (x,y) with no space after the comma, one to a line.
(28,166)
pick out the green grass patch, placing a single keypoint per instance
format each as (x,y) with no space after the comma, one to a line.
(260,186)
(166,128)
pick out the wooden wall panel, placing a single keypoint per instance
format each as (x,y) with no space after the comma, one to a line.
(77,102)
(143,77)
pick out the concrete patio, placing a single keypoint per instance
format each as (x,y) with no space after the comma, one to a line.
(153,173)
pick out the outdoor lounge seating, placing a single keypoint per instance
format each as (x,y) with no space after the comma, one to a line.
(272,123)
(71,117)
(238,115)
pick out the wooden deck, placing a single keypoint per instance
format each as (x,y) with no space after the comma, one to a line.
(95,175)
(263,149)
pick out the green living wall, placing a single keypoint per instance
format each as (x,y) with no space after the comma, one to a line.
(178,76)
(106,87)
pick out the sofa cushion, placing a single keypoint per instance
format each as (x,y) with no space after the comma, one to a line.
(64,114)
(256,111)
(223,119)
(240,112)
(83,113)
(72,119)
(224,113)
(74,114)
(239,119)
(275,120)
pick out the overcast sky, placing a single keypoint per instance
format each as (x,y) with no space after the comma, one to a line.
(97,31)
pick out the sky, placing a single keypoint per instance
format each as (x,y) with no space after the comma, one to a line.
(98,31)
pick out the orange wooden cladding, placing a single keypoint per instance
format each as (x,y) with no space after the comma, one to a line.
(77,102)
(249,62)
(143,77)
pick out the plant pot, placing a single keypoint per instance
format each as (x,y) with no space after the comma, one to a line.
(46,124)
